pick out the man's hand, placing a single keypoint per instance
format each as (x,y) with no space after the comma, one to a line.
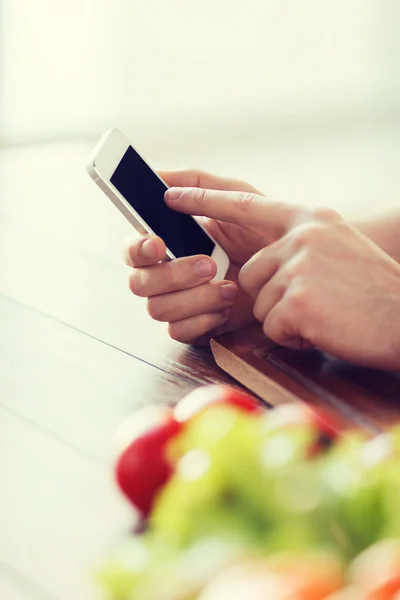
(320,282)
(181,292)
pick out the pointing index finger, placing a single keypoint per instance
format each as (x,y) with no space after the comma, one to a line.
(245,209)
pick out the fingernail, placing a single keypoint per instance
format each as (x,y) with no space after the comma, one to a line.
(225,315)
(173,194)
(149,249)
(203,268)
(229,291)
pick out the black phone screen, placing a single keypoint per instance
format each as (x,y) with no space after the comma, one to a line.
(144,191)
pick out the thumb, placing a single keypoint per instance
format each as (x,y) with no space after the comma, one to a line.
(246,209)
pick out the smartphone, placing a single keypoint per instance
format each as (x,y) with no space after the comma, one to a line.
(138,192)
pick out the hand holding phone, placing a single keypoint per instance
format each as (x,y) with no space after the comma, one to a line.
(138,192)
(180,292)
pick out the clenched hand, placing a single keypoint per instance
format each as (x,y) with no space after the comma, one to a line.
(316,280)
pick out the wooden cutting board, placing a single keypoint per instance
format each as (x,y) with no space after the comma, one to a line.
(360,397)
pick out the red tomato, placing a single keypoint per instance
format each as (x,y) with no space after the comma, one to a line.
(202,397)
(142,468)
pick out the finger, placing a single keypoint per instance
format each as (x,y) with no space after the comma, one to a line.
(143,251)
(190,329)
(280,327)
(276,326)
(268,297)
(207,298)
(173,276)
(201,179)
(242,208)
(259,269)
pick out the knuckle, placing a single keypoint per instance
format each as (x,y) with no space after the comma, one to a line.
(172,331)
(313,225)
(326,215)
(127,252)
(299,301)
(199,174)
(243,278)
(258,312)
(342,228)
(307,235)
(299,266)
(245,200)
(199,196)
(155,309)
(172,275)
(274,327)
(207,322)
(137,283)
(175,332)
(267,329)
(296,213)
(246,273)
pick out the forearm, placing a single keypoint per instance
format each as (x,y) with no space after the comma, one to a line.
(384,231)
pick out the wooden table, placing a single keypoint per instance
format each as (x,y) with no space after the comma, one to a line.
(78,354)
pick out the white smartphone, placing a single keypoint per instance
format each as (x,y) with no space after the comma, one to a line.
(138,192)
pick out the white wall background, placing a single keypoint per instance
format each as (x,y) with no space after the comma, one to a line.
(299,97)
(189,67)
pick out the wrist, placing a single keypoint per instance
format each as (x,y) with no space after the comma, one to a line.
(384,232)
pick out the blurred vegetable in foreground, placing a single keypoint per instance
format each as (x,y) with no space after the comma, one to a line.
(258,504)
